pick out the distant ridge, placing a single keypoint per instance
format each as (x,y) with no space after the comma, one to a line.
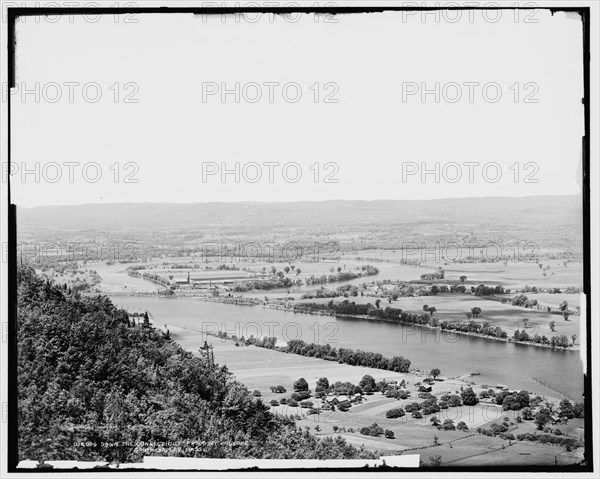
(548,210)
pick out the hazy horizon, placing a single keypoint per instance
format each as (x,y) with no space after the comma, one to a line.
(420,200)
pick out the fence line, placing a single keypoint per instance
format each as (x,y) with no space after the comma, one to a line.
(552,388)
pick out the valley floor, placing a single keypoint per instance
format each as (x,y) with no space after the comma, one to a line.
(260,368)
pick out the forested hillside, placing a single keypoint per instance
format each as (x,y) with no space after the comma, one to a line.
(93,386)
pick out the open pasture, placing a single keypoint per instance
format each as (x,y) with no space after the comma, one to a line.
(516,275)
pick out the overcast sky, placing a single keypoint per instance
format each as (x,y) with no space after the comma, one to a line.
(361,118)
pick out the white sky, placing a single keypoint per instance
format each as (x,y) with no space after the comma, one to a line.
(369,133)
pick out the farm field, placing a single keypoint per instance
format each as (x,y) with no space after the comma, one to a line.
(259,369)
(516,275)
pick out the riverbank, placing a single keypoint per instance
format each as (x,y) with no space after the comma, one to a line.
(260,367)
(250,361)
(241,301)
(497,362)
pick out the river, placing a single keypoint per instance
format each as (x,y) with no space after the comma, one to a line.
(516,365)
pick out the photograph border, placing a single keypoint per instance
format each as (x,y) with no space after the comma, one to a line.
(13,15)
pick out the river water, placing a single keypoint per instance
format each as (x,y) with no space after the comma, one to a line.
(516,365)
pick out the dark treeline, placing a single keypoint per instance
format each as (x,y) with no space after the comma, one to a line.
(88,377)
(265,342)
(366,270)
(485,329)
(266,284)
(348,356)
(147,275)
(347,308)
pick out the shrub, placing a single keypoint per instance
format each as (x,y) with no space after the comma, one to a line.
(391,393)
(373,430)
(430,409)
(566,409)
(448,425)
(469,398)
(498,428)
(376,430)
(301,385)
(293,403)
(256,393)
(301,396)
(412,407)
(416,415)
(389,434)
(395,413)
(558,432)
(274,402)
(461,426)
(542,417)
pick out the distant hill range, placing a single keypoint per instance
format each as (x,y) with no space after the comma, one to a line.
(557,211)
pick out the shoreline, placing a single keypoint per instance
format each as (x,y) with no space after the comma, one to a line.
(195,334)
(194,340)
(279,307)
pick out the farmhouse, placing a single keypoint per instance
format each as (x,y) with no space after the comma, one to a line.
(337,400)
